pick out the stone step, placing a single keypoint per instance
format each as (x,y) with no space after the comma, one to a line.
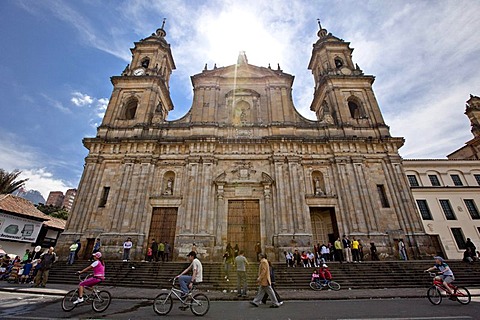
(389,274)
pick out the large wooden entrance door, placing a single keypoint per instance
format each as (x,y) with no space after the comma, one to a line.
(244,225)
(323,227)
(163,226)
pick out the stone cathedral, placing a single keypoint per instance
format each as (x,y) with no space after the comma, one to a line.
(243,166)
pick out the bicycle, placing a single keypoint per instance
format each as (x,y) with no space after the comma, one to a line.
(434,293)
(319,285)
(199,303)
(100,299)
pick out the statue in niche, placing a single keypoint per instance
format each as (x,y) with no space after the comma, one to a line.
(318,188)
(169,187)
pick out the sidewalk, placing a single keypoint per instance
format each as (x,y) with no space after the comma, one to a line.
(144,293)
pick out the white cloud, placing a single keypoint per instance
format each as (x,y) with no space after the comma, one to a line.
(56,104)
(16,154)
(79,99)
(42,180)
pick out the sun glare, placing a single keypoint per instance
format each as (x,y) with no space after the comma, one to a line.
(234,31)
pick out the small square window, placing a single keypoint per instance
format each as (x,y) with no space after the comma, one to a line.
(412,180)
(456,180)
(434,180)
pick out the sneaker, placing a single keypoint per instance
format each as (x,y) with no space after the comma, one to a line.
(274,306)
(253,304)
(79,300)
(280,303)
(228,279)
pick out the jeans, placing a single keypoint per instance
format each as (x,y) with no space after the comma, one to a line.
(126,254)
(184,281)
(71,257)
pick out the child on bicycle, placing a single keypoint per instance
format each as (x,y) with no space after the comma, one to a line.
(98,267)
(324,273)
(445,273)
(315,276)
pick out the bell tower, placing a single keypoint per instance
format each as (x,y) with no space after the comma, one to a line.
(141,97)
(343,96)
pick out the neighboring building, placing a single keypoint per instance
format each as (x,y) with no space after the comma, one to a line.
(55,198)
(447,192)
(68,199)
(23,227)
(243,166)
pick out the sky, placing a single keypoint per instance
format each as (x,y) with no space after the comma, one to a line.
(57,57)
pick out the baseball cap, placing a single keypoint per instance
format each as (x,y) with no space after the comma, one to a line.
(97,254)
(324,265)
(439,258)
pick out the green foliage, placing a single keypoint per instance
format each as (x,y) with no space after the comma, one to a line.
(8,183)
(53,211)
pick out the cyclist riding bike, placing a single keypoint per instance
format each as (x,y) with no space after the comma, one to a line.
(98,267)
(445,273)
(186,282)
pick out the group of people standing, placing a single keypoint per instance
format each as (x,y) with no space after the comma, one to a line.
(155,252)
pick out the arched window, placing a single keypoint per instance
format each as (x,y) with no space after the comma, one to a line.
(355,111)
(145,62)
(338,63)
(131,109)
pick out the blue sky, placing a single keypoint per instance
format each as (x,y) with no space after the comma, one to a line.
(57,58)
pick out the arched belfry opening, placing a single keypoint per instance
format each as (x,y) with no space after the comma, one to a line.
(354,106)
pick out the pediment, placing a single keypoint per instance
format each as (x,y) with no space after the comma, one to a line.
(241,71)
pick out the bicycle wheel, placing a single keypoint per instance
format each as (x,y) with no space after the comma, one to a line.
(316,286)
(162,304)
(101,301)
(68,299)
(200,304)
(334,285)
(463,295)
(434,295)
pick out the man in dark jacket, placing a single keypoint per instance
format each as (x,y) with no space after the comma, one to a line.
(46,261)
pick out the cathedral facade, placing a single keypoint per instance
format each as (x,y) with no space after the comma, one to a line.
(243,166)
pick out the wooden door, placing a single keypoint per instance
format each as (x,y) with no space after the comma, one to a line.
(322,225)
(163,226)
(244,225)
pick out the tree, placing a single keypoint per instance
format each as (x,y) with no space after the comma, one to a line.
(53,211)
(8,183)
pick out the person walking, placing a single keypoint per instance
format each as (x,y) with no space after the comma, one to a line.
(46,261)
(241,263)
(71,255)
(127,245)
(272,278)
(96,247)
(265,284)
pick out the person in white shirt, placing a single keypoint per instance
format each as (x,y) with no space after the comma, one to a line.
(186,282)
(127,245)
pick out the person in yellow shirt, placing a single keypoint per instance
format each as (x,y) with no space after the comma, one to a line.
(355,252)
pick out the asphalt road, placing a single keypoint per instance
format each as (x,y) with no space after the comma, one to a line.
(30,306)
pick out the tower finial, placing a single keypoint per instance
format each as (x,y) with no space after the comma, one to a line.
(165,19)
(322,32)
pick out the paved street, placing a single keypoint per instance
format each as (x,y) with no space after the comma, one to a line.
(34,306)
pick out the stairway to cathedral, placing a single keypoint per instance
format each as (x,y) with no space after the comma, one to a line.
(365,275)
